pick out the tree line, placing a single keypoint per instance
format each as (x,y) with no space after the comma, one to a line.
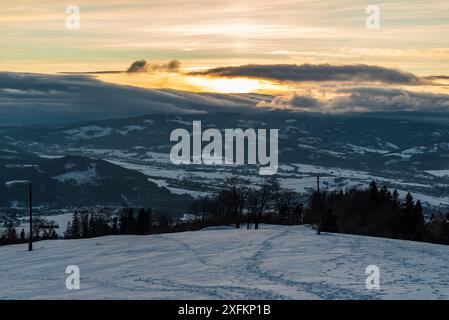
(375,211)
(130,221)
(42,230)
(372,211)
(241,203)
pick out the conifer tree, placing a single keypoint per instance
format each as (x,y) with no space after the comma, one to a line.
(85,225)
(76,230)
(22,236)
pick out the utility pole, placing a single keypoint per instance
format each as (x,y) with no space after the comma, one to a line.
(30,243)
(318,184)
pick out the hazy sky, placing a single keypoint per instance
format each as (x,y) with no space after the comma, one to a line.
(413,35)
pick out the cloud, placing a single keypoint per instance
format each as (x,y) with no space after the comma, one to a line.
(365,100)
(320,73)
(440,77)
(294,101)
(42,98)
(139,66)
(145,66)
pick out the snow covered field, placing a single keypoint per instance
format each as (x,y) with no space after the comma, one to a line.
(276,262)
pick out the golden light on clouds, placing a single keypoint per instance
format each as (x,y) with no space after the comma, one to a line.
(235,85)
(214,33)
(183,82)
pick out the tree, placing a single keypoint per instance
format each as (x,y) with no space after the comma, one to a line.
(144,221)
(53,234)
(92,229)
(316,205)
(373,190)
(85,232)
(127,223)
(234,193)
(396,201)
(418,221)
(299,213)
(328,221)
(76,230)
(11,234)
(68,231)
(407,224)
(264,195)
(163,220)
(114,228)
(284,203)
(22,236)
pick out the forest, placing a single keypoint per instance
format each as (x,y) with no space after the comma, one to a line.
(372,211)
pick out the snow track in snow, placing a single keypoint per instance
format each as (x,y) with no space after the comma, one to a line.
(275,262)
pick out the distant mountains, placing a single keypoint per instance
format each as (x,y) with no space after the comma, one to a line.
(405,151)
(354,142)
(114,144)
(76,181)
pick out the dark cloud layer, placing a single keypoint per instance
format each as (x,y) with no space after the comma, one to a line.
(365,99)
(308,72)
(40,98)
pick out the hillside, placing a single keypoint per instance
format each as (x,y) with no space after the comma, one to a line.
(61,182)
(344,150)
(276,262)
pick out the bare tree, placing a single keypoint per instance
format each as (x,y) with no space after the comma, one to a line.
(236,190)
(265,194)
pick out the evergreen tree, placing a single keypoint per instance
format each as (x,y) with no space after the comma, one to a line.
(163,221)
(22,236)
(328,221)
(114,228)
(144,221)
(76,230)
(92,226)
(373,188)
(396,199)
(127,223)
(85,225)
(12,235)
(68,231)
(418,217)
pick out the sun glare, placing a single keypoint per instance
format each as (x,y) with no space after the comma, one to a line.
(221,85)
(193,83)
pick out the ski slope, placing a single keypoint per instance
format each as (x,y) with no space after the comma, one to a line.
(276,262)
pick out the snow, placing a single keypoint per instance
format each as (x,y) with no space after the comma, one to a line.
(13,182)
(186,123)
(88,132)
(8,151)
(128,129)
(79,177)
(276,262)
(363,150)
(46,156)
(295,176)
(438,173)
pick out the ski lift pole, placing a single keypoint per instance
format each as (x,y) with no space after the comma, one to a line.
(30,243)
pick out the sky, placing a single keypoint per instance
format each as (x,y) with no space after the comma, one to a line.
(412,37)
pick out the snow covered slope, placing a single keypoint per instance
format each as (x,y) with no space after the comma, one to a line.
(276,262)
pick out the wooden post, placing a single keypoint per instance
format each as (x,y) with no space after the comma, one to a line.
(30,243)
(318,184)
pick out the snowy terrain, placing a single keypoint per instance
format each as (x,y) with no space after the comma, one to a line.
(345,152)
(276,262)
